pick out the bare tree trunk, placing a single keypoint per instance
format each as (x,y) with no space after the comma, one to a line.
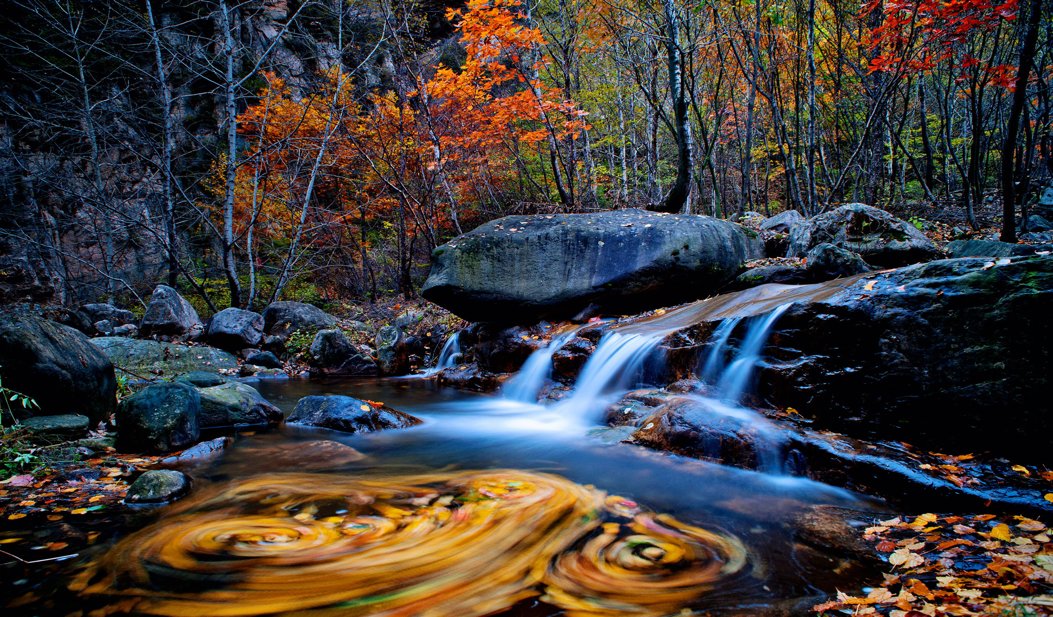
(167,147)
(679,197)
(231,120)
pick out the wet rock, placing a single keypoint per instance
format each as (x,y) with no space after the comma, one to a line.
(283,318)
(56,366)
(347,414)
(945,348)
(988,248)
(700,429)
(497,349)
(158,486)
(168,313)
(235,404)
(776,273)
(568,361)
(265,359)
(877,236)
(108,312)
(307,455)
(202,379)
(522,269)
(233,329)
(61,427)
(469,377)
(826,261)
(149,358)
(158,419)
(204,452)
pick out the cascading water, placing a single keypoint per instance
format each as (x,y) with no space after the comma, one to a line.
(450,353)
(718,349)
(734,380)
(527,383)
(617,360)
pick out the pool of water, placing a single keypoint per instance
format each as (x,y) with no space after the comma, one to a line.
(488,507)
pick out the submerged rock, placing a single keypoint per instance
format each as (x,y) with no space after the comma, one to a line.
(877,236)
(149,358)
(347,414)
(527,268)
(169,314)
(158,486)
(159,419)
(56,366)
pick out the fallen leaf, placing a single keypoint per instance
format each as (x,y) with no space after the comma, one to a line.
(1001,532)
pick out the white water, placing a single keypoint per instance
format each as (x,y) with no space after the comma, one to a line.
(718,349)
(448,357)
(736,377)
(527,383)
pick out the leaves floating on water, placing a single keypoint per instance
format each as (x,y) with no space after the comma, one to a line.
(453,544)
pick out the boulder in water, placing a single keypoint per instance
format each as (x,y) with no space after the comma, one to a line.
(159,419)
(957,346)
(56,366)
(169,314)
(235,404)
(233,329)
(877,236)
(347,414)
(521,269)
(158,486)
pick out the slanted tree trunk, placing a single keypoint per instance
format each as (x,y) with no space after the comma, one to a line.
(678,199)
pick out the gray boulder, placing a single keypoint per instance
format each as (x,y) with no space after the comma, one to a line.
(151,358)
(782,222)
(233,329)
(1038,224)
(878,237)
(284,318)
(158,486)
(987,248)
(347,414)
(235,404)
(101,311)
(168,313)
(56,366)
(827,261)
(65,426)
(159,419)
(527,268)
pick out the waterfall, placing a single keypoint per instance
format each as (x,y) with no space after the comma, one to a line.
(527,383)
(736,377)
(718,349)
(448,357)
(617,361)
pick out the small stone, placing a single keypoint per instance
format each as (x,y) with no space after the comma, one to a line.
(158,486)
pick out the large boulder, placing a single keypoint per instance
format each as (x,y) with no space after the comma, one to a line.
(347,414)
(234,329)
(146,359)
(56,366)
(957,347)
(284,318)
(827,261)
(880,238)
(159,419)
(168,313)
(527,268)
(235,404)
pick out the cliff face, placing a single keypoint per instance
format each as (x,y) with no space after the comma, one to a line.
(82,184)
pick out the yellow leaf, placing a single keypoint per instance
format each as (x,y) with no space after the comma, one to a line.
(869,286)
(1048,497)
(79,511)
(364,408)
(15,517)
(1001,532)
(1021,469)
